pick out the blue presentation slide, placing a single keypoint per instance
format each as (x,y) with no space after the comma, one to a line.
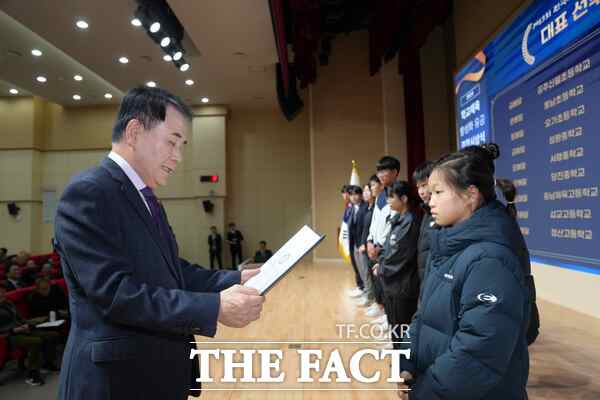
(534,90)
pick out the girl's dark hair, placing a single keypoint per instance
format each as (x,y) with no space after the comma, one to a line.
(473,165)
(403,188)
(510,192)
(344,189)
(374,178)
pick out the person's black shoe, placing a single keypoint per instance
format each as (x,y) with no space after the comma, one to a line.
(35,379)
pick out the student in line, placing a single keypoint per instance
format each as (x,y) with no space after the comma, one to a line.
(468,340)
(397,265)
(420,178)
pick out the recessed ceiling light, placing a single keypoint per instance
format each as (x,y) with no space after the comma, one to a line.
(14,91)
(78,78)
(81,24)
(165,41)
(136,22)
(76,97)
(189,82)
(184,67)
(155,27)
(177,56)
(41,79)
(205,100)
(108,96)
(36,52)
(123,60)
(167,58)
(151,84)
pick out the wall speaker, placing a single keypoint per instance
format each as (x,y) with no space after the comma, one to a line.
(13,209)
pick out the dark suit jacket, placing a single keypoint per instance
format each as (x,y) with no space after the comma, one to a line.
(134,303)
(218,243)
(356,224)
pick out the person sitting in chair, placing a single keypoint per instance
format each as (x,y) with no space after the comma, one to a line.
(263,254)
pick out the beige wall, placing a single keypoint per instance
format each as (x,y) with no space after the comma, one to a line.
(268,192)
(475,21)
(394,118)
(346,113)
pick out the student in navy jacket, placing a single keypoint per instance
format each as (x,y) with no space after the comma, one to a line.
(468,338)
(135,304)
(397,266)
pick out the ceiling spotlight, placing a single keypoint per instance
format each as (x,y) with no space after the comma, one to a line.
(36,52)
(14,91)
(184,67)
(151,84)
(76,97)
(81,24)
(165,41)
(78,78)
(189,82)
(177,56)
(123,60)
(136,22)
(41,79)
(167,58)
(108,96)
(155,27)
(205,100)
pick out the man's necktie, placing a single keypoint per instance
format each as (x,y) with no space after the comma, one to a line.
(157,215)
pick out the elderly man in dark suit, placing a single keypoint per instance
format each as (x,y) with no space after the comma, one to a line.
(135,303)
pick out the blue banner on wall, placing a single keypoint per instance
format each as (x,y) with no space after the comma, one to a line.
(534,90)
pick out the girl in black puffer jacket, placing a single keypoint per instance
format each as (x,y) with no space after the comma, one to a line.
(468,338)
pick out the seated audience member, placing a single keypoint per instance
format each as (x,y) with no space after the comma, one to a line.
(40,345)
(29,273)
(263,254)
(3,254)
(45,298)
(13,278)
(47,272)
(397,266)
(21,258)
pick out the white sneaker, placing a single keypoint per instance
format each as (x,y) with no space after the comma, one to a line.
(354,292)
(373,311)
(363,300)
(380,320)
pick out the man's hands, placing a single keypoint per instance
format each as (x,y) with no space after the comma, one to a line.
(373,251)
(239,306)
(249,273)
(375,269)
(402,392)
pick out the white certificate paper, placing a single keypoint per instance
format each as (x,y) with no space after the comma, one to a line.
(284,259)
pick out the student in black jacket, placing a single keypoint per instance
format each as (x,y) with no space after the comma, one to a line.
(420,178)
(398,261)
(215,247)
